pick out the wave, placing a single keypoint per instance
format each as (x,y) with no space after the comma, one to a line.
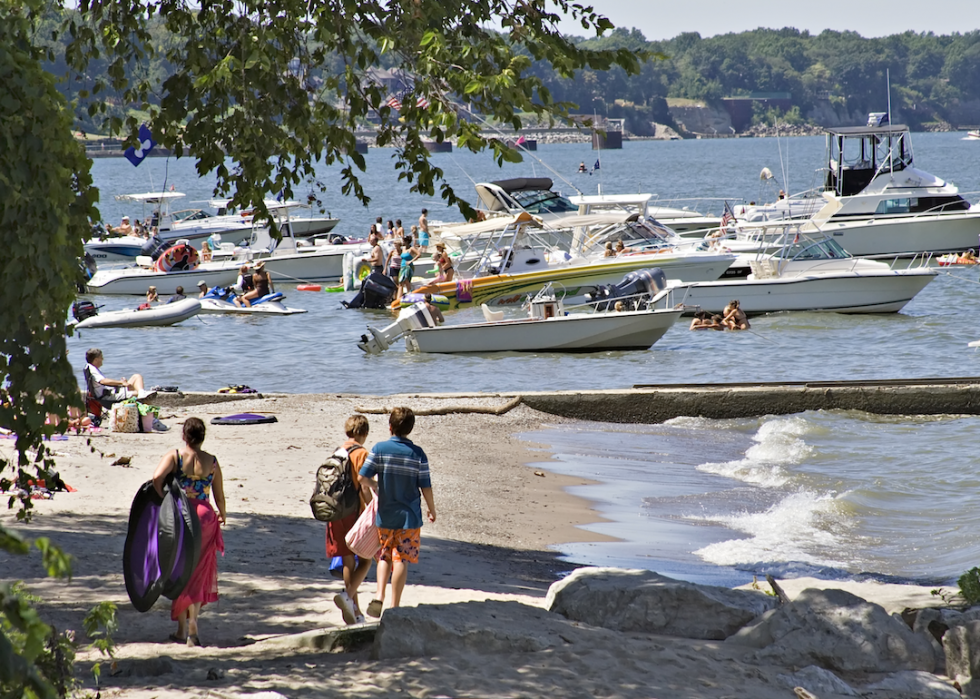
(778,444)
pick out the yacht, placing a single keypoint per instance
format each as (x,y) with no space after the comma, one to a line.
(876,203)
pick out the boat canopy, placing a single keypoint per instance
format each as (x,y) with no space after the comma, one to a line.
(531,194)
(150,197)
(858,154)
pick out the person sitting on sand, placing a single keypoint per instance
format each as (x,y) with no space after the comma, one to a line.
(357,428)
(734,317)
(397,472)
(198,474)
(108,391)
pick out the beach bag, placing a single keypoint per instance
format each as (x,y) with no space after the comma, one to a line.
(125,418)
(363,538)
(334,494)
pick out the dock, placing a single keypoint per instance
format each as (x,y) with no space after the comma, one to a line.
(655,403)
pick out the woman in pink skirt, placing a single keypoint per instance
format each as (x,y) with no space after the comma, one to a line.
(199,474)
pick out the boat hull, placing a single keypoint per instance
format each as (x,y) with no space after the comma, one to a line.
(164,314)
(588,332)
(575,281)
(268,308)
(906,236)
(121,249)
(878,292)
(135,281)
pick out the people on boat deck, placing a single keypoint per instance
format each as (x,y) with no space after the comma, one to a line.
(423,231)
(622,249)
(123,228)
(609,250)
(409,254)
(444,264)
(205,252)
(376,258)
(372,236)
(379,227)
(399,229)
(179,296)
(619,307)
(355,569)
(262,283)
(198,474)
(390,230)
(434,311)
(106,390)
(782,195)
(735,318)
(203,288)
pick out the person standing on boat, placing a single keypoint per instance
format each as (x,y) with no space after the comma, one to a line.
(424,230)
(399,229)
(376,258)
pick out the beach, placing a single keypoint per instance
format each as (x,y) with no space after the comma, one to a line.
(496,518)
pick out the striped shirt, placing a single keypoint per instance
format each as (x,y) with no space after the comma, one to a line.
(402,469)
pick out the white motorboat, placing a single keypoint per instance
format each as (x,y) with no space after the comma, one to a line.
(136,280)
(549,327)
(123,248)
(810,275)
(164,314)
(219,300)
(191,224)
(973,135)
(877,204)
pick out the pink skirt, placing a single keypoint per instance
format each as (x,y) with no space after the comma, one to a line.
(203,585)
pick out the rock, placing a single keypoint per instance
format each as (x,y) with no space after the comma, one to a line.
(910,685)
(819,681)
(962,646)
(641,600)
(478,627)
(837,631)
(215,674)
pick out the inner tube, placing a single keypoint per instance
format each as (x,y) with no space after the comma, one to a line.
(177,511)
(148,550)
(308,287)
(179,258)
(243,419)
(438,300)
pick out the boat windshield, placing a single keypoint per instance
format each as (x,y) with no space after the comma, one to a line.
(827,249)
(190,215)
(645,234)
(543,201)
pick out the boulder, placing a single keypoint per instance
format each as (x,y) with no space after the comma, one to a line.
(962,645)
(837,631)
(641,600)
(818,681)
(480,627)
(910,685)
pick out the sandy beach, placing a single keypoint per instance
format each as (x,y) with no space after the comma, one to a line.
(496,518)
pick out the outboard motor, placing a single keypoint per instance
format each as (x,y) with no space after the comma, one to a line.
(81,310)
(154,247)
(377,291)
(87,267)
(410,318)
(633,288)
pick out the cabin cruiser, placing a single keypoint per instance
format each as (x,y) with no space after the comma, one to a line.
(876,203)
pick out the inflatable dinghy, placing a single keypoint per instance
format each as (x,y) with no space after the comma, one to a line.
(243,419)
(164,314)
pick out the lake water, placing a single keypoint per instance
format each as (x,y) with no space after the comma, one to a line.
(832,494)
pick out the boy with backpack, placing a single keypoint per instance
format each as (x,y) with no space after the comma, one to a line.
(398,472)
(357,428)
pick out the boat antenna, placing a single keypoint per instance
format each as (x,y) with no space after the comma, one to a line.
(891,151)
(598,147)
(486,124)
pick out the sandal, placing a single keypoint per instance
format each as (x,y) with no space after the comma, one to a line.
(374,608)
(177,639)
(193,640)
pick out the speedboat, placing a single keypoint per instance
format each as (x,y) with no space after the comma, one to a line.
(973,135)
(548,327)
(810,275)
(515,262)
(164,314)
(876,203)
(220,300)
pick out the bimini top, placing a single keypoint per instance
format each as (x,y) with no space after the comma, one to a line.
(886,130)
(521,184)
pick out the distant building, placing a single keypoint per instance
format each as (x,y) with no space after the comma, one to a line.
(740,108)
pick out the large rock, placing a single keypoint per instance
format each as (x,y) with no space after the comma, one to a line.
(962,646)
(837,631)
(910,685)
(641,600)
(480,627)
(818,681)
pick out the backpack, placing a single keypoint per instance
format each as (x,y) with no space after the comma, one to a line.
(334,495)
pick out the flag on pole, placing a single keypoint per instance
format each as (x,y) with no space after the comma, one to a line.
(146,143)
(421,103)
(395,104)
(596,166)
(520,141)
(727,217)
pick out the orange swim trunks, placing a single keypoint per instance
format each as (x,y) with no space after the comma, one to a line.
(399,545)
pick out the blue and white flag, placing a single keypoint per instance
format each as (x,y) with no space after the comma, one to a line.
(137,155)
(596,166)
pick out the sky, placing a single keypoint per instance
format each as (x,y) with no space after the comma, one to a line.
(665,20)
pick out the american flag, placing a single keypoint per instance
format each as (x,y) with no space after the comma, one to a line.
(394,103)
(727,217)
(421,103)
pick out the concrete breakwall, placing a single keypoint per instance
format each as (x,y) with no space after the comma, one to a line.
(653,404)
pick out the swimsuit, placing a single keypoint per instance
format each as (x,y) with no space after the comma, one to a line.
(196,488)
